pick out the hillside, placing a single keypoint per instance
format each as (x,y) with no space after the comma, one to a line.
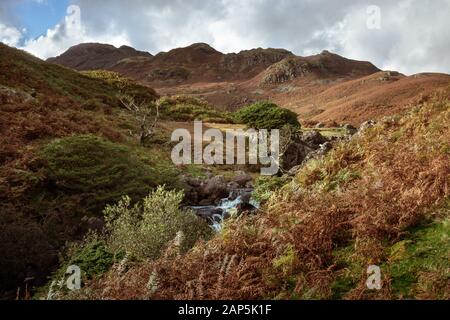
(46,196)
(94,56)
(321,88)
(381,198)
(86,178)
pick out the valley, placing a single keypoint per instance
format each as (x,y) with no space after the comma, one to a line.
(87,176)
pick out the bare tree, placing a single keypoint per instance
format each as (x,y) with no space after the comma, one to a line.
(146,115)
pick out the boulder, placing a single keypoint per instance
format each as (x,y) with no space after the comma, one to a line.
(209,212)
(366,125)
(319,153)
(215,189)
(350,129)
(242,179)
(246,209)
(294,154)
(314,139)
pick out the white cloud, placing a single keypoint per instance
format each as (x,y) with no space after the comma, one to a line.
(66,34)
(9,35)
(414,34)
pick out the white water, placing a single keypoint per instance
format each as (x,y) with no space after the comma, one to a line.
(229,209)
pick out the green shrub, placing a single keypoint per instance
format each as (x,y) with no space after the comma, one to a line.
(266,115)
(93,259)
(96,172)
(144,230)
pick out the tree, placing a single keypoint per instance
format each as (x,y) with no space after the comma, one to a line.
(266,115)
(145,114)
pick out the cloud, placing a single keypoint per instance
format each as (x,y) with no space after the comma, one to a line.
(414,35)
(69,32)
(9,35)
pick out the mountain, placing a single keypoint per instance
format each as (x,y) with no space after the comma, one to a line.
(321,88)
(198,62)
(93,56)
(70,149)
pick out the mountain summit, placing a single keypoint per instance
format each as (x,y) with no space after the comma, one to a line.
(325,87)
(90,56)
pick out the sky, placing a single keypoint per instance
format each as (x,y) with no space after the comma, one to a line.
(409,36)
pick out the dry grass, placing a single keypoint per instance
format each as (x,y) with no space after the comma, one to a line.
(289,252)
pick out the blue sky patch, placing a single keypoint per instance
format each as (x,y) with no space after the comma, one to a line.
(39,16)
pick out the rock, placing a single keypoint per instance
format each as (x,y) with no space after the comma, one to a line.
(246,197)
(350,129)
(319,153)
(320,125)
(206,202)
(208,212)
(314,139)
(209,174)
(294,170)
(10,95)
(215,189)
(366,125)
(242,179)
(233,186)
(294,154)
(249,185)
(246,208)
(193,182)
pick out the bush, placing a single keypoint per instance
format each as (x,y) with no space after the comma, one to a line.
(97,171)
(144,230)
(266,115)
(93,258)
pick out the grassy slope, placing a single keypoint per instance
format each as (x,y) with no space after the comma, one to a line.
(48,186)
(382,198)
(23,71)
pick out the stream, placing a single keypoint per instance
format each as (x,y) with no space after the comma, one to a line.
(226,208)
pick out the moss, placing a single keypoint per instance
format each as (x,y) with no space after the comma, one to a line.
(425,252)
(95,172)
(349,270)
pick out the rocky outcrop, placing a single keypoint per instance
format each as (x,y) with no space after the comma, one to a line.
(96,56)
(366,125)
(215,189)
(302,148)
(287,70)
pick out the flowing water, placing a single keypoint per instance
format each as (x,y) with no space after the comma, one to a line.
(226,208)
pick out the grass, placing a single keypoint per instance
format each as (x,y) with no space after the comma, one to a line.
(371,201)
(420,264)
(185,108)
(329,132)
(99,172)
